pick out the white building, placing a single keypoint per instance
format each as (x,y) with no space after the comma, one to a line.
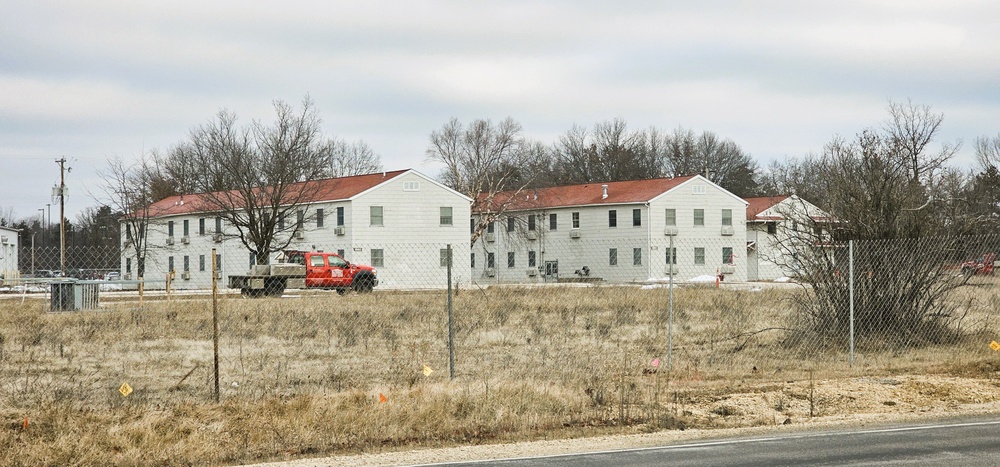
(774,225)
(401,222)
(627,231)
(8,254)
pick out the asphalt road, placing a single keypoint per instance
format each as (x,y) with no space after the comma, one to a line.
(955,442)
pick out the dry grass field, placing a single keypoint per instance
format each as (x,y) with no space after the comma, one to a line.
(313,374)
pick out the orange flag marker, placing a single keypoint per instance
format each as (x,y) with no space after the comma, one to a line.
(382,399)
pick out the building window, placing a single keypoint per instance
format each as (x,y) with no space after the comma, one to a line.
(531,222)
(340,216)
(531,259)
(727,217)
(170,264)
(491,227)
(472,225)
(671,255)
(378,257)
(698,189)
(772,228)
(201,263)
(375,215)
(411,186)
(576,220)
(444,258)
(319,218)
(637,256)
(340,252)
(170,228)
(281,221)
(201,226)
(510,259)
(671,217)
(473,261)
(552,222)
(612,218)
(490,260)
(187,228)
(187,263)
(636,217)
(300,220)
(128,265)
(699,255)
(699,217)
(727,255)
(218,261)
(446,215)
(613,257)
(218,225)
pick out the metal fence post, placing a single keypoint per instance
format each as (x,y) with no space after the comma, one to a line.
(215,323)
(670,305)
(451,333)
(850,262)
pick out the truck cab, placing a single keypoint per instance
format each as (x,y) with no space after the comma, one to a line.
(331,271)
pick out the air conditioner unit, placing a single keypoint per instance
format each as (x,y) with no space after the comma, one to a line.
(490,237)
(217,238)
(670,230)
(185,239)
(339,230)
(170,240)
(671,270)
(490,272)
(128,243)
(128,276)
(3,239)
(532,271)
(532,235)
(727,269)
(186,275)
(574,233)
(728,230)
(300,234)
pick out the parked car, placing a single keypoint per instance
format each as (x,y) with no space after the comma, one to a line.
(113,276)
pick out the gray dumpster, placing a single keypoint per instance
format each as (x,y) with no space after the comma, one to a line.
(71,295)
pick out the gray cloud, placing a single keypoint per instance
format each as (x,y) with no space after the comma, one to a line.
(104,78)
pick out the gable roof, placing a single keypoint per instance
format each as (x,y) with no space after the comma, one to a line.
(756,207)
(586,194)
(328,189)
(765,208)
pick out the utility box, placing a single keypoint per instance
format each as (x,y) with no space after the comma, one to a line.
(74,295)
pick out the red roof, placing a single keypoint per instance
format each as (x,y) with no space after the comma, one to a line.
(624,192)
(329,189)
(761,204)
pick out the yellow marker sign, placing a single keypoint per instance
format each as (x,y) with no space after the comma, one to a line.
(995,346)
(125,389)
(427,370)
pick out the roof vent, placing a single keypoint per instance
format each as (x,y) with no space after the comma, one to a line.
(604,192)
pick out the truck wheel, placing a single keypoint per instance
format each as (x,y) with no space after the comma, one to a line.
(364,284)
(341,291)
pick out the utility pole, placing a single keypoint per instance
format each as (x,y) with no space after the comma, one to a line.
(62,214)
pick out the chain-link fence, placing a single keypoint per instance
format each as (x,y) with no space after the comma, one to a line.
(603,321)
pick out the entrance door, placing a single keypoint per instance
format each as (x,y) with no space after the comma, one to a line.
(552,270)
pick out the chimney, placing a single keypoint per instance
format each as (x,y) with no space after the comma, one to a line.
(604,192)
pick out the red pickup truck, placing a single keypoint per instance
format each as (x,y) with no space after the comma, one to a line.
(306,269)
(330,271)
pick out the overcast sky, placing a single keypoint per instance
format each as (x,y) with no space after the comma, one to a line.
(91,80)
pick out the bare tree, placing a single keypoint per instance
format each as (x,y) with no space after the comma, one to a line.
(720,160)
(609,153)
(128,191)
(6,216)
(348,159)
(884,189)
(259,176)
(988,151)
(482,160)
